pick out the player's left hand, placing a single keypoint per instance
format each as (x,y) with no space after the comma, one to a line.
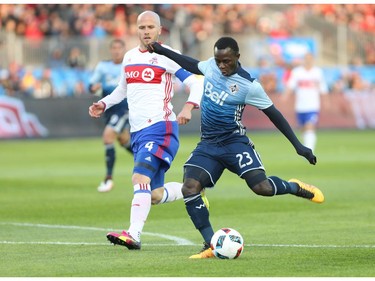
(308,154)
(185,115)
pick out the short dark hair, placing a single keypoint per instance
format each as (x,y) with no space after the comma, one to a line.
(227,42)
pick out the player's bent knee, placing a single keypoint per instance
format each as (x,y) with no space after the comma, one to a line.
(109,135)
(195,179)
(258,182)
(190,187)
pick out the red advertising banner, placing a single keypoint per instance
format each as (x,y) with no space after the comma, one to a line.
(15,122)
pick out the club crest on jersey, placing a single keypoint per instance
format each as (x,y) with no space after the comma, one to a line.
(154,60)
(233,88)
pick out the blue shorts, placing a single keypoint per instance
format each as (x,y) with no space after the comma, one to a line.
(118,122)
(117,116)
(307,117)
(154,149)
(238,157)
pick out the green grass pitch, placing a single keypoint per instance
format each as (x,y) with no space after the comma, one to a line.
(53,222)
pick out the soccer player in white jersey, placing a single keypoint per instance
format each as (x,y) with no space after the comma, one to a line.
(228,88)
(308,83)
(103,81)
(147,82)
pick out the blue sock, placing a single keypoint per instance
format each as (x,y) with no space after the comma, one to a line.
(199,215)
(110,157)
(282,187)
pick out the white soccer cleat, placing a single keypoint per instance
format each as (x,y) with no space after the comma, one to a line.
(105,186)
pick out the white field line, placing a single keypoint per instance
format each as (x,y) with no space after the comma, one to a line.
(310,246)
(177,240)
(76,243)
(246,245)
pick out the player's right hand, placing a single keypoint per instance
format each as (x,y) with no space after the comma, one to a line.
(96,109)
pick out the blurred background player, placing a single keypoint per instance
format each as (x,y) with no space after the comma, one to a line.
(147,81)
(103,81)
(308,83)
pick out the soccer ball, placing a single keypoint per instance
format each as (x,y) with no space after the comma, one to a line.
(227,243)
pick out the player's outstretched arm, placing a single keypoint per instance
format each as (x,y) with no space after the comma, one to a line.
(282,124)
(188,63)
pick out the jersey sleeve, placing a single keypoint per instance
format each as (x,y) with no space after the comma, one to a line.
(195,84)
(257,96)
(117,96)
(204,65)
(119,93)
(96,76)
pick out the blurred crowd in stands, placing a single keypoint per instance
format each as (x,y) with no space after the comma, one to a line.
(35,21)
(68,74)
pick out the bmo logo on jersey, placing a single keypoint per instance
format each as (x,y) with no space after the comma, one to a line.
(215,96)
(143,74)
(148,74)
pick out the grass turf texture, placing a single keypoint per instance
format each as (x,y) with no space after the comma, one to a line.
(53,222)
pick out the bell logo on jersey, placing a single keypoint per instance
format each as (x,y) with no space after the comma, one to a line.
(141,73)
(215,96)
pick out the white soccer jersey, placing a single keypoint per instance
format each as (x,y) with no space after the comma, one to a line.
(147,80)
(308,85)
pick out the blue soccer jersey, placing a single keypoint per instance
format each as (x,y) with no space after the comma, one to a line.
(108,74)
(224,100)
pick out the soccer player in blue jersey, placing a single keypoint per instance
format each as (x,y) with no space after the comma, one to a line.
(228,88)
(103,81)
